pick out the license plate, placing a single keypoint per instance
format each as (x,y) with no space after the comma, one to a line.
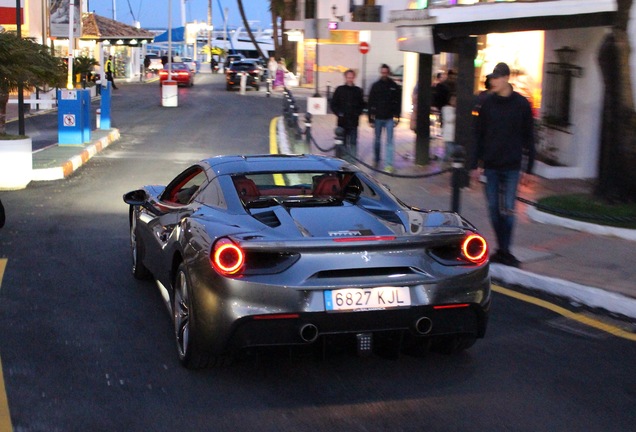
(371,298)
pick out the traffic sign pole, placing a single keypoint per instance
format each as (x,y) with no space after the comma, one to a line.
(364,49)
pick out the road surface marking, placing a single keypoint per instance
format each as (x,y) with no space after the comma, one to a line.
(273,147)
(599,325)
(5,418)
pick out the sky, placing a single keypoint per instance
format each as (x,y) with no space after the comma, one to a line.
(154,13)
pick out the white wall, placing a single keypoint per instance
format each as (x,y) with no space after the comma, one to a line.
(580,148)
(383,50)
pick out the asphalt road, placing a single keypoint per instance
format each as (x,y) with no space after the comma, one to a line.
(86,347)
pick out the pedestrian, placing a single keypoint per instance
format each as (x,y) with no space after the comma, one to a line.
(109,71)
(505,131)
(279,74)
(441,91)
(483,95)
(272,66)
(348,103)
(448,127)
(214,64)
(146,64)
(385,102)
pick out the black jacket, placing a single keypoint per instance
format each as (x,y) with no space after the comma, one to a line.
(505,132)
(385,99)
(347,103)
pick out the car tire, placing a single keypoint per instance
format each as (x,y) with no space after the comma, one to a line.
(139,270)
(228,88)
(191,354)
(257,87)
(450,345)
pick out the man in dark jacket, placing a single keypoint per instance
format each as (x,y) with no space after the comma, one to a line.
(347,103)
(505,132)
(385,106)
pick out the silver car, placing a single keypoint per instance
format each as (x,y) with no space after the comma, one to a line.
(268,250)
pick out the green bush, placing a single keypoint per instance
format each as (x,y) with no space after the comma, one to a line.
(590,209)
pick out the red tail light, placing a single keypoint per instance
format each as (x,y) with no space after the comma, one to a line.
(475,248)
(227,257)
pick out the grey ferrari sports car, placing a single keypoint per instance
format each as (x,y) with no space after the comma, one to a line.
(268,250)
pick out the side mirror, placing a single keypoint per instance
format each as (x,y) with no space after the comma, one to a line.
(136,198)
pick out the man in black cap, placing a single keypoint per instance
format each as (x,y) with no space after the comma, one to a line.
(505,133)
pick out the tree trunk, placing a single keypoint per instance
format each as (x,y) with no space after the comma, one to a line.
(289,52)
(249,30)
(4,100)
(617,159)
(276,30)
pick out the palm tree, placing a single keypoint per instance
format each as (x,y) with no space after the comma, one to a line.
(277,8)
(83,65)
(26,61)
(617,159)
(284,9)
(249,30)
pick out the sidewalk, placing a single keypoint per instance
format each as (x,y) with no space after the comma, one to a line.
(559,256)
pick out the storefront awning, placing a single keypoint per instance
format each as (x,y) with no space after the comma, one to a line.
(101,29)
(445,23)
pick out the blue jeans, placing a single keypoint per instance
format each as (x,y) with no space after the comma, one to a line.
(351,143)
(501,194)
(379,125)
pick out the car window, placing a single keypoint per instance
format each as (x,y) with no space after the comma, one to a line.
(289,184)
(184,187)
(212,195)
(242,67)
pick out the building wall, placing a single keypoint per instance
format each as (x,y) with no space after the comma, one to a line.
(578,147)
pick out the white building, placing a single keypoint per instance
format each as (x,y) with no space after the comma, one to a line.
(471,37)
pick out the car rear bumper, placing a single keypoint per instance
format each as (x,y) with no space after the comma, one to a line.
(307,328)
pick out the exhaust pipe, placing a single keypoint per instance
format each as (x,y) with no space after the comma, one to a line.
(423,325)
(309,333)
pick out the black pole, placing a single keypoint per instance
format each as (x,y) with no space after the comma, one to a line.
(317,93)
(308,129)
(423,122)
(457,178)
(18,23)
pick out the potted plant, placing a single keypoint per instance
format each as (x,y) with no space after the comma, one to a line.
(83,67)
(32,64)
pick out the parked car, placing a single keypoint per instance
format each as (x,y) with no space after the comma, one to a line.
(181,73)
(190,62)
(154,62)
(237,69)
(260,65)
(231,58)
(271,250)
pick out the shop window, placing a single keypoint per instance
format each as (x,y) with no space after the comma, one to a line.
(557,94)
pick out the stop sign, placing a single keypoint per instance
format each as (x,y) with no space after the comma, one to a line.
(364,47)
